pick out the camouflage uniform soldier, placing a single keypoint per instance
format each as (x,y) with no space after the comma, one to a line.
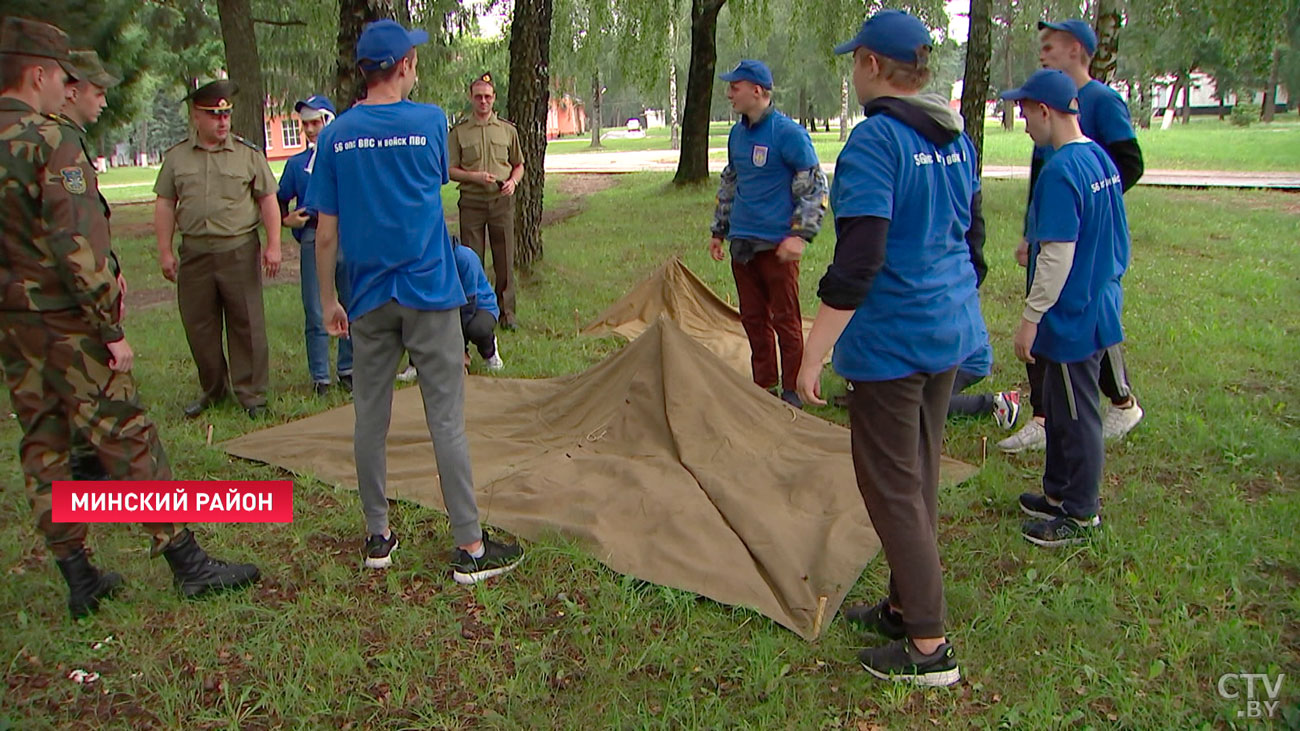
(66,361)
(216,187)
(84,104)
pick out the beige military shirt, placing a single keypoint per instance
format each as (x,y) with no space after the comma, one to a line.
(491,145)
(216,191)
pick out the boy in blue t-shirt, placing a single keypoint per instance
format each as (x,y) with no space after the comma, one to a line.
(479,314)
(315,112)
(1104,118)
(770,205)
(1078,251)
(377,183)
(900,306)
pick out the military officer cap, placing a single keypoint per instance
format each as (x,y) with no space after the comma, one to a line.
(32,38)
(484,78)
(89,68)
(214,96)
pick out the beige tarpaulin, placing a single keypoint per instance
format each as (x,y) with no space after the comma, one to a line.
(673,291)
(663,461)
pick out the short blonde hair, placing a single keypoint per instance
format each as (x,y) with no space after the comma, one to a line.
(907,76)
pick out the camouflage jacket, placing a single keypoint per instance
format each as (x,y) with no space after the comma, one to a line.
(54,241)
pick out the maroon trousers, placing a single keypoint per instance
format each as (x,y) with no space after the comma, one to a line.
(769,311)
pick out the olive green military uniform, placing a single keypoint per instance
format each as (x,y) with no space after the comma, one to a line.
(58,311)
(486,214)
(219,279)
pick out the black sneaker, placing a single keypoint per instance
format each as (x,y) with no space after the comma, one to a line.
(901,662)
(345,382)
(1064,531)
(379,551)
(792,398)
(497,559)
(320,389)
(1039,506)
(879,618)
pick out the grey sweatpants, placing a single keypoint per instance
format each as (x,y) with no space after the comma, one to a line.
(437,350)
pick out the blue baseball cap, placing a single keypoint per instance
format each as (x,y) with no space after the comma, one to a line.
(1051,87)
(1077,28)
(750,70)
(384,43)
(314,103)
(891,33)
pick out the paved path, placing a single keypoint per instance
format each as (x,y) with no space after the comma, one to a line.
(666,160)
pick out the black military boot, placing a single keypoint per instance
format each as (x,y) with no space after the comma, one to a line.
(86,584)
(197,574)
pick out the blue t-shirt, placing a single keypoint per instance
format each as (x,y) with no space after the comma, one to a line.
(478,290)
(922,313)
(765,158)
(1103,117)
(1079,197)
(293,185)
(979,363)
(380,168)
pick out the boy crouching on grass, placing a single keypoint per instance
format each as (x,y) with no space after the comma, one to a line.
(1079,248)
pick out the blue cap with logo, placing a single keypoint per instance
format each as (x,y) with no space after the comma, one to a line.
(312,106)
(1051,87)
(1077,28)
(752,71)
(891,33)
(384,42)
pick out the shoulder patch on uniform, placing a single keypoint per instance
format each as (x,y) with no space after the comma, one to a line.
(74,180)
(178,144)
(503,119)
(246,142)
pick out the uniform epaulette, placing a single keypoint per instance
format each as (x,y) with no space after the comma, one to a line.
(503,119)
(178,144)
(241,140)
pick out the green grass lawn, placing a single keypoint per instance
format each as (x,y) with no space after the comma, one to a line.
(1196,574)
(1204,144)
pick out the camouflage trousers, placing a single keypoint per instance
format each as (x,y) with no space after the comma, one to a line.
(60,384)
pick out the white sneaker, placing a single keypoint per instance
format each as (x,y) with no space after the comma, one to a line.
(1006,408)
(1119,422)
(1031,436)
(407,375)
(495,363)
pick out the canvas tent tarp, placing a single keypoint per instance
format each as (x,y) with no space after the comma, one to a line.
(654,458)
(675,292)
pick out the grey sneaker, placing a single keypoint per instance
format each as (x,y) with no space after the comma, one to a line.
(1031,436)
(1119,422)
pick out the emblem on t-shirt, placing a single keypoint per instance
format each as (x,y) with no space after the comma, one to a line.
(760,156)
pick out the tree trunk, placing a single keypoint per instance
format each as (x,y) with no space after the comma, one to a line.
(529,96)
(975,81)
(598,112)
(693,165)
(353,16)
(1270,92)
(803,107)
(844,109)
(247,120)
(1008,107)
(1187,97)
(1144,104)
(1107,27)
(674,121)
